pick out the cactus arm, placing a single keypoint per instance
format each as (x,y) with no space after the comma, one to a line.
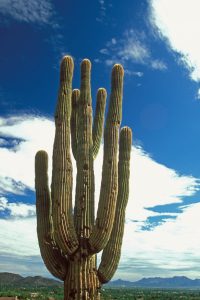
(84,200)
(74,120)
(61,188)
(98,120)
(109,183)
(51,255)
(112,252)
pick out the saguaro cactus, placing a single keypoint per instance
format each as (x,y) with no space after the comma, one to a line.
(69,238)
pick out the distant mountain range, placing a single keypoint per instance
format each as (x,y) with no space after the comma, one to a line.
(15,280)
(158,282)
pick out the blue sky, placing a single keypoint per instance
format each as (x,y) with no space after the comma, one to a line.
(157,43)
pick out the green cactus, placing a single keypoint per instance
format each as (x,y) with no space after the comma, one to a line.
(69,239)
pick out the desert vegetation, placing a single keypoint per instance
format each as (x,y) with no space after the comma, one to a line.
(69,238)
(106,294)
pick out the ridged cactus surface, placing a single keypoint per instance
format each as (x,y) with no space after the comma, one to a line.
(70,237)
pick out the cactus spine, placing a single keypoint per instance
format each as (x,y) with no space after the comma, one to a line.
(69,239)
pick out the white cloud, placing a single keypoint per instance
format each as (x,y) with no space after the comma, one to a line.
(40,13)
(103,5)
(131,48)
(151,184)
(24,265)
(179,23)
(32,11)
(198,94)
(3,203)
(35,133)
(170,249)
(104,51)
(8,185)
(134,48)
(162,185)
(158,65)
(114,41)
(17,209)
(132,73)
(18,236)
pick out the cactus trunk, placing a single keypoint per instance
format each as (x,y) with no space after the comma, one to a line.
(82,281)
(70,237)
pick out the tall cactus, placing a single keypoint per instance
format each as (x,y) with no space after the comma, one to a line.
(69,238)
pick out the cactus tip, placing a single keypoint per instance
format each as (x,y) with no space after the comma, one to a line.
(67,58)
(66,67)
(41,154)
(102,92)
(75,92)
(41,160)
(85,64)
(75,97)
(126,133)
(118,69)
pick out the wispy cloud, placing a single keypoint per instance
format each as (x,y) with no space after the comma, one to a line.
(40,14)
(178,23)
(102,11)
(158,65)
(32,11)
(151,184)
(198,94)
(131,49)
(134,48)
(133,73)
(26,265)
(104,5)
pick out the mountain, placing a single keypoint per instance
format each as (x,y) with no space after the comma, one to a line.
(175,282)
(158,282)
(15,280)
(120,284)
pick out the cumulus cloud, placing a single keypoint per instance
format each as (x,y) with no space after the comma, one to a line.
(34,133)
(8,185)
(131,48)
(14,209)
(162,185)
(170,249)
(178,22)
(151,184)
(32,11)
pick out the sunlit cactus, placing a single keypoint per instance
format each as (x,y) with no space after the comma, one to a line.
(70,237)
